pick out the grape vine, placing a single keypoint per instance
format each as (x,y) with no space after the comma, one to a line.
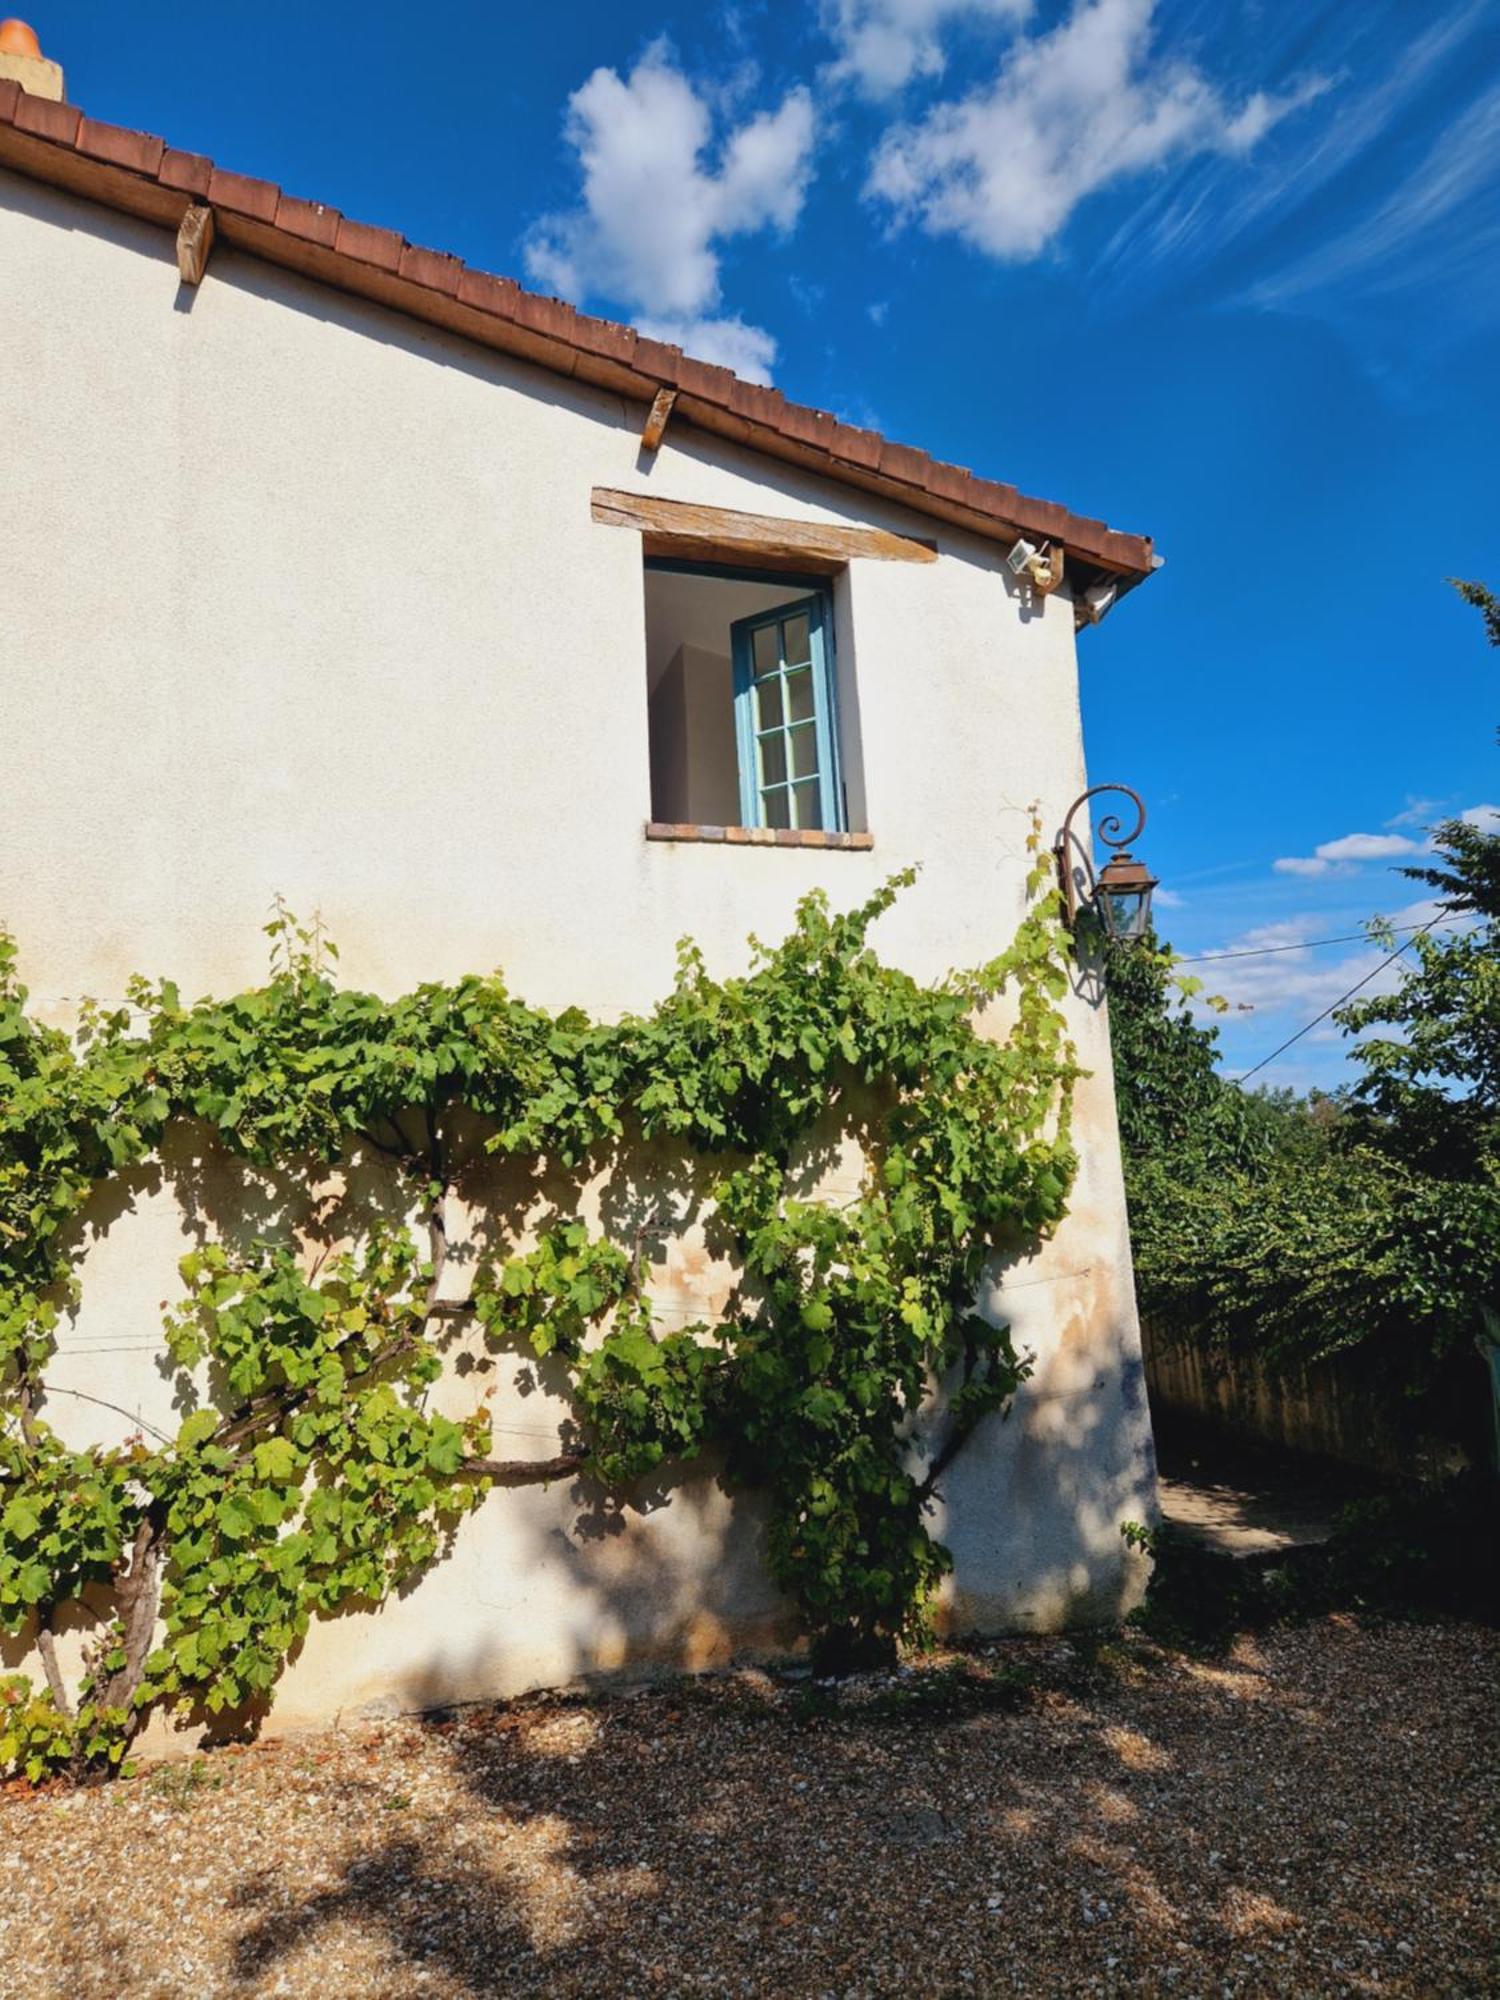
(310,1473)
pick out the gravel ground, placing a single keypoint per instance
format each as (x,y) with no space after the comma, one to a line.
(1315,1813)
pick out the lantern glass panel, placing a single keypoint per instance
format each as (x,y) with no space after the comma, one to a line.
(1126,913)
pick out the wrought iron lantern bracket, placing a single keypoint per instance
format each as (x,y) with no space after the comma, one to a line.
(1124,885)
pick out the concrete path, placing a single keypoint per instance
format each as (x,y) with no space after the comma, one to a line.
(1241,1521)
(1251,1503)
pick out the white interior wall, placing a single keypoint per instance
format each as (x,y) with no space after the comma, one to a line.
(695,773)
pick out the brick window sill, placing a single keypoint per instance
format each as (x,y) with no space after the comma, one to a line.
(759,836)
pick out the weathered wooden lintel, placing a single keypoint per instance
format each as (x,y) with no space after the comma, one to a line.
(724,534)
(656,419)
(195,239)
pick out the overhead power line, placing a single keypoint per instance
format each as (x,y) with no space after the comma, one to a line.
(1307,944)
(1356,988)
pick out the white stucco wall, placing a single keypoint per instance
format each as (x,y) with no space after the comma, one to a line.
(300,596)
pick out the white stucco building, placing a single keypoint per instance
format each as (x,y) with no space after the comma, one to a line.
(337,569)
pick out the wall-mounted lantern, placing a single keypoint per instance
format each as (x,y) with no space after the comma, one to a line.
(1121,894)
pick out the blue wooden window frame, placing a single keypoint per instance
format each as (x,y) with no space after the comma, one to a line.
(759,738)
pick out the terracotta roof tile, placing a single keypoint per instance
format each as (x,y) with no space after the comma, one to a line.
(244,195)
(371,245)
(1047,518)
(545,316)
(607,337)
(310,221)
(656,359)
(861,448)
(904,462)
(704,378)
(189,171)
(544,330)
(814,427)
(487,294)
(46,119)
(433,268)
(138,152)
(744,397)
(952,482)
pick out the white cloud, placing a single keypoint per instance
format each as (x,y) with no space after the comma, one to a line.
(1294,986)
(1301,864)
(883,44)
(1338,856)
(1068,112)
(1367,847)
(1344,855)
(749,350)
(661,192)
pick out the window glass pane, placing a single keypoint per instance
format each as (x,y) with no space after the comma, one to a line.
(776,807)
(804,743)
(773,759)
(767,653)
(799,697)
(768,699)
(809,805)
(796,640)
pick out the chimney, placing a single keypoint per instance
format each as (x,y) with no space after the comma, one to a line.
(21,60)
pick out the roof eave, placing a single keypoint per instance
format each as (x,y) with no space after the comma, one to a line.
(142,176)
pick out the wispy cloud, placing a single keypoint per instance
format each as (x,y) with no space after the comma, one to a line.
(1417,812)
(666,180)
(1068,113)
(1212,209)
(1430,229)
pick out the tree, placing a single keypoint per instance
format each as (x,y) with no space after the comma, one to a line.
(1300,1227)
(1430,1093)
(1174,1105)
(1484,601)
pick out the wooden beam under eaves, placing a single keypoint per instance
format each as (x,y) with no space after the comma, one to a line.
(656,420)
(696,533)
(195,239)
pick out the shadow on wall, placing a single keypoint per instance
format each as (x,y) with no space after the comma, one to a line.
(1032,1507)
(547,1584)
(667,1576)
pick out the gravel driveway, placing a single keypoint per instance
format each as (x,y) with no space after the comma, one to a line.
(1316,1813)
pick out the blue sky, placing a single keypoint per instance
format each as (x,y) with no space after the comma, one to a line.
(1222,271)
